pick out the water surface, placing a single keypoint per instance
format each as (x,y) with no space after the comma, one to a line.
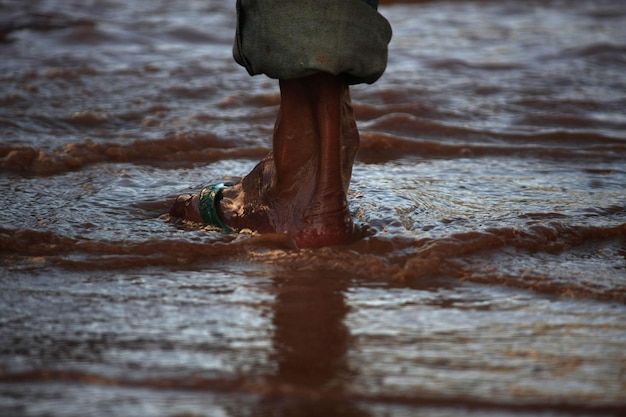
(491,179)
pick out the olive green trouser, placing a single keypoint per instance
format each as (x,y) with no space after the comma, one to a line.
(287,39)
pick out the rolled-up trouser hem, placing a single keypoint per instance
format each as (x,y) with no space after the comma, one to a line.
(287,39)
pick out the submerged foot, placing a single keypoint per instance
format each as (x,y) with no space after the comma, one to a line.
(300,188)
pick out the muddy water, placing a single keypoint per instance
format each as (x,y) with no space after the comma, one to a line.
(491,183)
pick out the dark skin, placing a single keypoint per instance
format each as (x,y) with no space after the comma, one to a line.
(300,188)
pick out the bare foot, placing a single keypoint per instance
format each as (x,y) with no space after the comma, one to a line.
(300,187)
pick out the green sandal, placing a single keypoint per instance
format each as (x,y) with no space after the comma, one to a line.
(209,197)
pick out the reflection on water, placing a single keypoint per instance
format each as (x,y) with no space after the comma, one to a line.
(490,184)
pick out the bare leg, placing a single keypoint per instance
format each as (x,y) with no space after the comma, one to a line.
(300,188)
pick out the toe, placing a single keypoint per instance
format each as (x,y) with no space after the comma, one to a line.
(187,207)
(178,207)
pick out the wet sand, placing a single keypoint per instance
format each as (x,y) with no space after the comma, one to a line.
(490,186)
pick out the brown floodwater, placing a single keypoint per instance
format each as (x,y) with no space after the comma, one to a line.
(490,279)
